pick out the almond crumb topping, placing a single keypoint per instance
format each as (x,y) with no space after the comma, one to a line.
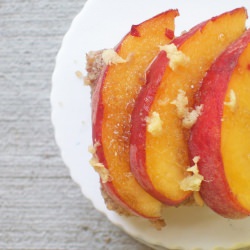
(154,123)
(192,182)
(98,166)
(189,117)
(175,56)
(92,149)
(110,56)
(181,103)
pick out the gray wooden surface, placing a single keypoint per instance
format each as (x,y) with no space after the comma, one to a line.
(40,206)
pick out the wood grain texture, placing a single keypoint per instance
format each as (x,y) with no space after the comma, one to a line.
(40,206)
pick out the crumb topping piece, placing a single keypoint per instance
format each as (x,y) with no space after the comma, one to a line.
(175,56)
(192,182)
(110,56)
(189,117)
(181,103)
(232,101)
(98,166)
(154,123)
(92,149)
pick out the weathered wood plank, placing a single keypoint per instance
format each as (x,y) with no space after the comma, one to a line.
(40,206)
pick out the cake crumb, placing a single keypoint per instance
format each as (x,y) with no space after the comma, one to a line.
(158,224)
(112,205)
(93,67)
(154,123)
(79,74)
(192,182)
(175,56)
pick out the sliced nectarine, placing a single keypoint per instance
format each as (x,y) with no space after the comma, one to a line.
(221,135)
(163,111)
(113,102)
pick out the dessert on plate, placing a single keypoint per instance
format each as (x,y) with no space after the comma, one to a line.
(170,114)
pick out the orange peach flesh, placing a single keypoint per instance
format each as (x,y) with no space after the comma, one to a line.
(235,143)
(122,84)
(169,151)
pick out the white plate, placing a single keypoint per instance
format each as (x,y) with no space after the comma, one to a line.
(101,24)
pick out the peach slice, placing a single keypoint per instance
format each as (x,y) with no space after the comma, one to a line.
(113,101)
(162,116)
(221,134)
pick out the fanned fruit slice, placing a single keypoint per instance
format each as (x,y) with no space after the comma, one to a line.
(113,102)
(221,134)
(164,110)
